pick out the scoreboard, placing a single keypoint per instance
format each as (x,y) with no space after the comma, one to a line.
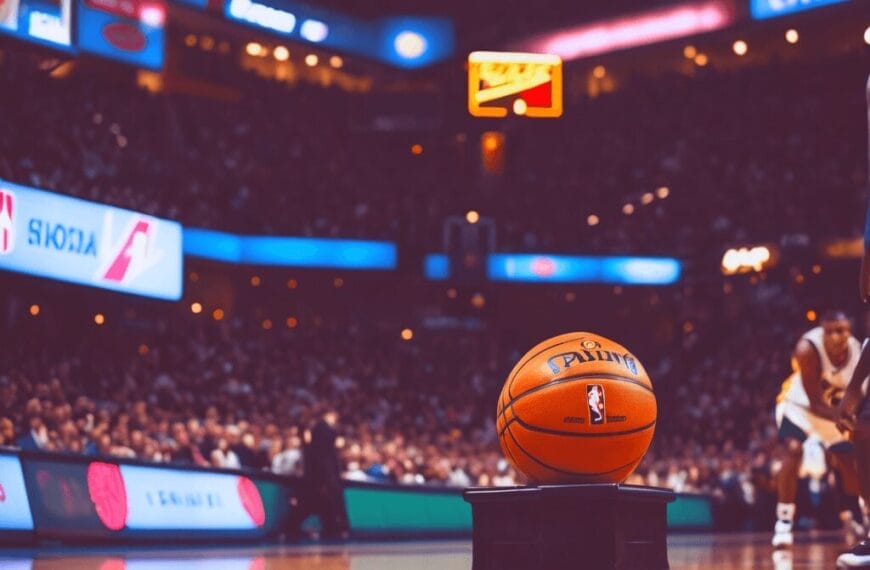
(46,22)
(525,84)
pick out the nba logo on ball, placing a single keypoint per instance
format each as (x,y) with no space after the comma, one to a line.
(595,398)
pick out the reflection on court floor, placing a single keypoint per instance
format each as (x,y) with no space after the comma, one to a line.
(686,552)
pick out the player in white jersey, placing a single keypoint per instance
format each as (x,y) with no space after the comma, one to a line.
(823,362)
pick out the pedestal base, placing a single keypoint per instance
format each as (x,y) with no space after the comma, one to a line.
(590,527)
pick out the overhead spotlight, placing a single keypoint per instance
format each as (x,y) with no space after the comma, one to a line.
(740,47)
(792,36)
(867,36)
(253,48)
(478,301)
(281,53)
(311,60)
(592,220)
(336,62)
(520,107)
(599,72)
(314,30)
(628,209)
(701,60)
(472,217)
(689,52)
(410,45)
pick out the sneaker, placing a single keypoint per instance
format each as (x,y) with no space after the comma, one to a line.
(782,535)
(783,560)
(858,557)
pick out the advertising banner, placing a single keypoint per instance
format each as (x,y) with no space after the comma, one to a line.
(78,497)
(145,498)
(763,9)
(46,22)
(583,269)
(14,506)
(290,251)
(68,239)
(130,31)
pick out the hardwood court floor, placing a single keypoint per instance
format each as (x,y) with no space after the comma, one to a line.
(686,552)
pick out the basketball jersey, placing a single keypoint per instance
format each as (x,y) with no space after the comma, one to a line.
(834,380)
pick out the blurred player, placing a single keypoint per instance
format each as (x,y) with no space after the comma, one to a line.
(854,418)
(824,360)
(855,409)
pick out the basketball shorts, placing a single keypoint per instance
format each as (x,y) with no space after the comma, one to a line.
(799,423)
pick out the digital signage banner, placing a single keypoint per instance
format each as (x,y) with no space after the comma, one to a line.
(47,22)
(100,498)
(147,498)
(290,251)
(764,9)
(546,268)
(73,240)
(583,269)
(385,510)
(14,506)
(130,31)
(409,42)
(436,267)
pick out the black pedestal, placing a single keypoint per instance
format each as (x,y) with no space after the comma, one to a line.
(588,527)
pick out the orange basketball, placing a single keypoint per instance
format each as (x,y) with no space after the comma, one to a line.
(577,408)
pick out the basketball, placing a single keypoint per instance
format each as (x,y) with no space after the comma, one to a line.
(576,408)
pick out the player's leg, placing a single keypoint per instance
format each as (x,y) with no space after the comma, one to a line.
(791,438)
(859,556)
(843,460)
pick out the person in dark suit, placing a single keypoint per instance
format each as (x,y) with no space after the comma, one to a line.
(321,491)
(36,438)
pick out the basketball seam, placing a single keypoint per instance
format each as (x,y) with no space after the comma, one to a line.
(507,448)
(566,472)
(568,379)
(575,434)
(529,359)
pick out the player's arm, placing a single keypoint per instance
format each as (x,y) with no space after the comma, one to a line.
(864,284)
(811,375)
(864,281)
(853,396)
